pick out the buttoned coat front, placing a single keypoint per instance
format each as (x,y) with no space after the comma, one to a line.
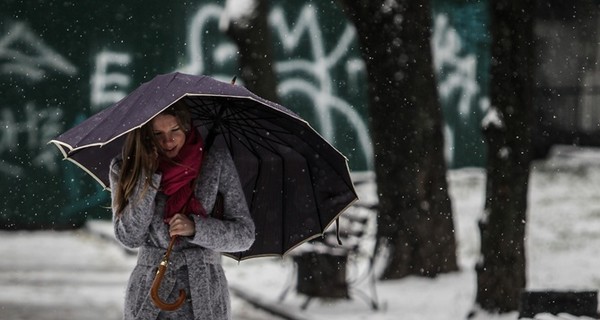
(195,262)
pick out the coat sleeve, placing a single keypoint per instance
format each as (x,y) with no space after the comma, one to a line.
(235,231)
(132,225)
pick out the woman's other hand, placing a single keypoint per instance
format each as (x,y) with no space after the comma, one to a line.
(181,225)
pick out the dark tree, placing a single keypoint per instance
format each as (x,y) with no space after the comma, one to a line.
(256,62)
(252,35)
(415,216)
(507,129)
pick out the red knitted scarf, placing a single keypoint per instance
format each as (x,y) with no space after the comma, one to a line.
(179,175)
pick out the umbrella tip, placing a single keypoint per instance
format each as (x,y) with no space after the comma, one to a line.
(233,80)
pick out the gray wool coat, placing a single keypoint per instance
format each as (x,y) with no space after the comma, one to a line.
(195,262)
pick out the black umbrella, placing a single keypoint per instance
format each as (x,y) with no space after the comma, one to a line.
(295,182)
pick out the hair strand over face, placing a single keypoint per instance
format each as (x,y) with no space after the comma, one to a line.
(139,154)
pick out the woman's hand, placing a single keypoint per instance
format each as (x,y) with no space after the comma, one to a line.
(181,225)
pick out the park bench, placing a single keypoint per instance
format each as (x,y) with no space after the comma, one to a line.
(339,265)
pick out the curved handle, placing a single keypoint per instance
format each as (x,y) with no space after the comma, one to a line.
(160,273)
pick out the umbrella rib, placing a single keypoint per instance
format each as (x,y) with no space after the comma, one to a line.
(282,183)
(208,120)
(250,137)
(269,146)
(202,103)
(327,159)
(282,142)
(250,123)
(205,107)
(244,126)
(273,149)
(229,138)
(252,150)
(253,131)
(276,139)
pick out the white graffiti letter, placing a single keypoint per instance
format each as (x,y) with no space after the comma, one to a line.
(102,79)
(38,126)
(22,52)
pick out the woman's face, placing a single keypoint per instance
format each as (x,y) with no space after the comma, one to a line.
(169,134)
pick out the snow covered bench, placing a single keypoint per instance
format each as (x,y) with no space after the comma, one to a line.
(332,269)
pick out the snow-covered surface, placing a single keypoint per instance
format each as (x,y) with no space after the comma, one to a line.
(563,248)
(78,275)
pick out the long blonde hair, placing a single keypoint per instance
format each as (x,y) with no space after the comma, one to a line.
(140,152)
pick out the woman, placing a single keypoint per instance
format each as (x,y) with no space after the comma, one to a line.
(162,186)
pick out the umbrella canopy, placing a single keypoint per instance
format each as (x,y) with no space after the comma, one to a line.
(296,183)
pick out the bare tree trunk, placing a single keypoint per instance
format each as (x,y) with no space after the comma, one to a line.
(318,275)
(501,271)
(256,61)
(415,217)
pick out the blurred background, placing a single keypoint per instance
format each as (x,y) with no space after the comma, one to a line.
(62,61)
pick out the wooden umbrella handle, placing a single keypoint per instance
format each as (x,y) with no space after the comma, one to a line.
(160,273)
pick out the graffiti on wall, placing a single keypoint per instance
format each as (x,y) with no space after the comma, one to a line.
(309,77)
(460,80)
(307,66)
(109,86)
(322,89)
(24,55)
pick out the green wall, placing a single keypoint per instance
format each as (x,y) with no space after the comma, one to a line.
(62,61)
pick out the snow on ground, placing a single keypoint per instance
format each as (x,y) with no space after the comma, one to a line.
(77,275)
(563,248)
(60,275)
